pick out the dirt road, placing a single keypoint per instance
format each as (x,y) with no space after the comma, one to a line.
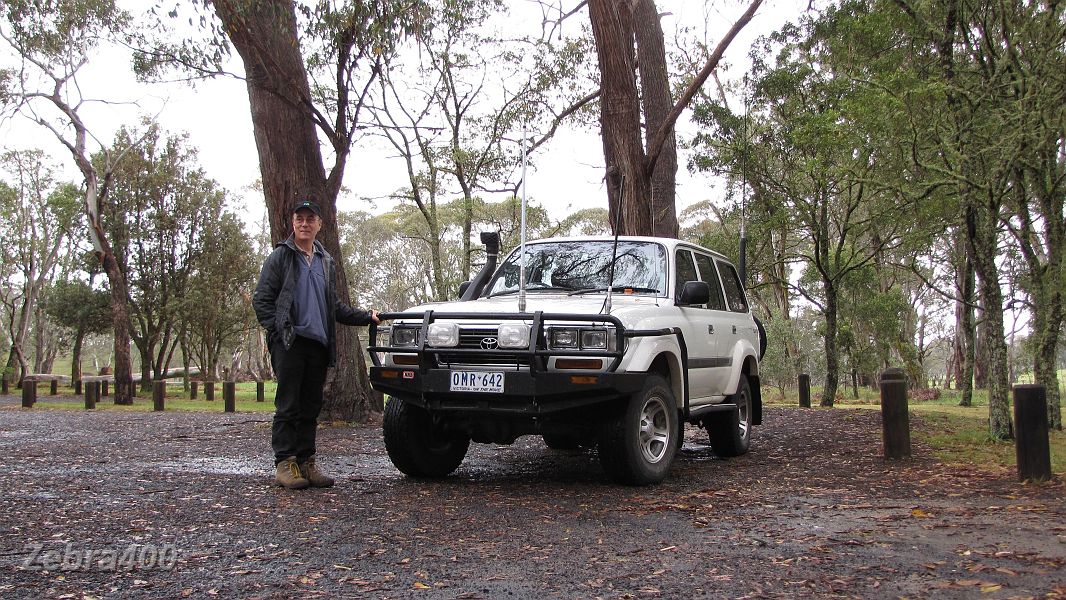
(812,511)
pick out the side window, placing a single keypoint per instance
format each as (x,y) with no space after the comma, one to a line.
(686,271)
(734,292)
(708,274)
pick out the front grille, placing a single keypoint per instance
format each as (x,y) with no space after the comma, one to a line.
(473,339)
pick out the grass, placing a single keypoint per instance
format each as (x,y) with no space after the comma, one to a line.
(956,434)
(176,399)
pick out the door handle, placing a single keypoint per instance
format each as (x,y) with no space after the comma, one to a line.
(710,329)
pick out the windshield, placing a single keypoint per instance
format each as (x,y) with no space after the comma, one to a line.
(584,266)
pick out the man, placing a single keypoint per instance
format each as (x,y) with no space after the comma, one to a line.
(296,301)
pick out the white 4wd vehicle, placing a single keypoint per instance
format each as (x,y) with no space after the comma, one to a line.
(620,357)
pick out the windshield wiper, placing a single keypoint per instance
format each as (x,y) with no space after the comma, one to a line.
(538,288)
(617,288)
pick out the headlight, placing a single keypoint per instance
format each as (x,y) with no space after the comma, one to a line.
(563,338)
(574,338)
(594,338)
(513,335)
(443,335)
(404,336)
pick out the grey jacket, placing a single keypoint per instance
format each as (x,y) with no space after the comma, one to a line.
(272,299)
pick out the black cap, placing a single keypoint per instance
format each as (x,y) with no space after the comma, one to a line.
(307,204)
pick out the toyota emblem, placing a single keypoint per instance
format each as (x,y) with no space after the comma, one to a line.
(489,343)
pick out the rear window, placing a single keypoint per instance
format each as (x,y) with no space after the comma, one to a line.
(734,291)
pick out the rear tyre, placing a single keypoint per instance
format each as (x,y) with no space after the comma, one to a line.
(416,445)
(730,432)
(638,446)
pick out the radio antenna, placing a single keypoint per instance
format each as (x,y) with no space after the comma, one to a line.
(614,247)
(522,235)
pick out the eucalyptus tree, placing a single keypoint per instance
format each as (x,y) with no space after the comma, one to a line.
(76,305)
(308,68)
(52,41)
(815,150)
(159,218)
(216,310)
(629,44)
(453,111)
(990,124)
(39,216)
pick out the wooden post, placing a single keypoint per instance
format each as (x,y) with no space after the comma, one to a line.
(209,390)
(805,390)
(77,387)
(229,396)
(90,398)
(895,418)
(103,387)
(29,393)
(259,391)
(159,395)
(5,386)
(54,388)
(1031,433)
(192,390)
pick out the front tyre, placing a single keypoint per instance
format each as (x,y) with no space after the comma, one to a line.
(730,432)
(416,446)
(638,446)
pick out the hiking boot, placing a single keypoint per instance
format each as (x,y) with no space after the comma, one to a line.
(289,475)
(313,475)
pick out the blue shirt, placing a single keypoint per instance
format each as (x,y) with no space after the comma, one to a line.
(309,299)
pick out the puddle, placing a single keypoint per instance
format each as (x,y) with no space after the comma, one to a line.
(215,465)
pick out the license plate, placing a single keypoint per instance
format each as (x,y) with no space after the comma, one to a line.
(477,381)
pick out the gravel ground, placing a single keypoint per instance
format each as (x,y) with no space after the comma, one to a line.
(169,505)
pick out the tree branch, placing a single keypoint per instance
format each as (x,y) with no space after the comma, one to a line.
(659,139)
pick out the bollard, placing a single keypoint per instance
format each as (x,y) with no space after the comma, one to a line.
(159,395)
(90,400)
(895,420)
(192,391)
(805,390)
(103,387)
(229,396)
(1031,444)
(54,388)
(209,390)
(5,386)
(259,391)
(29,393)
(77,387)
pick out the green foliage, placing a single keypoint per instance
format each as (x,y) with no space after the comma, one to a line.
(74,304)
(387,256)
(52,29)
(216,309)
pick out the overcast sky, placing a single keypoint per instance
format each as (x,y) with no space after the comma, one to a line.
(215,115)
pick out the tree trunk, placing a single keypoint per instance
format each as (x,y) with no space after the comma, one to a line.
(966,333)
(657,101)
(981,234)
(832,360)
(75,358)
(290,161)
(623,149)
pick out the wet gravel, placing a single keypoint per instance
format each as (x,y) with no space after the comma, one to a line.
(812,511)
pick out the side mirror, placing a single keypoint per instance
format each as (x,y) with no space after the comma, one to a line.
(695,292)
(463,287)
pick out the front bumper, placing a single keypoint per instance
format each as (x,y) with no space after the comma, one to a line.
(524,393)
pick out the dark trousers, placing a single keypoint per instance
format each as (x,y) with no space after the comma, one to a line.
(301,373)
